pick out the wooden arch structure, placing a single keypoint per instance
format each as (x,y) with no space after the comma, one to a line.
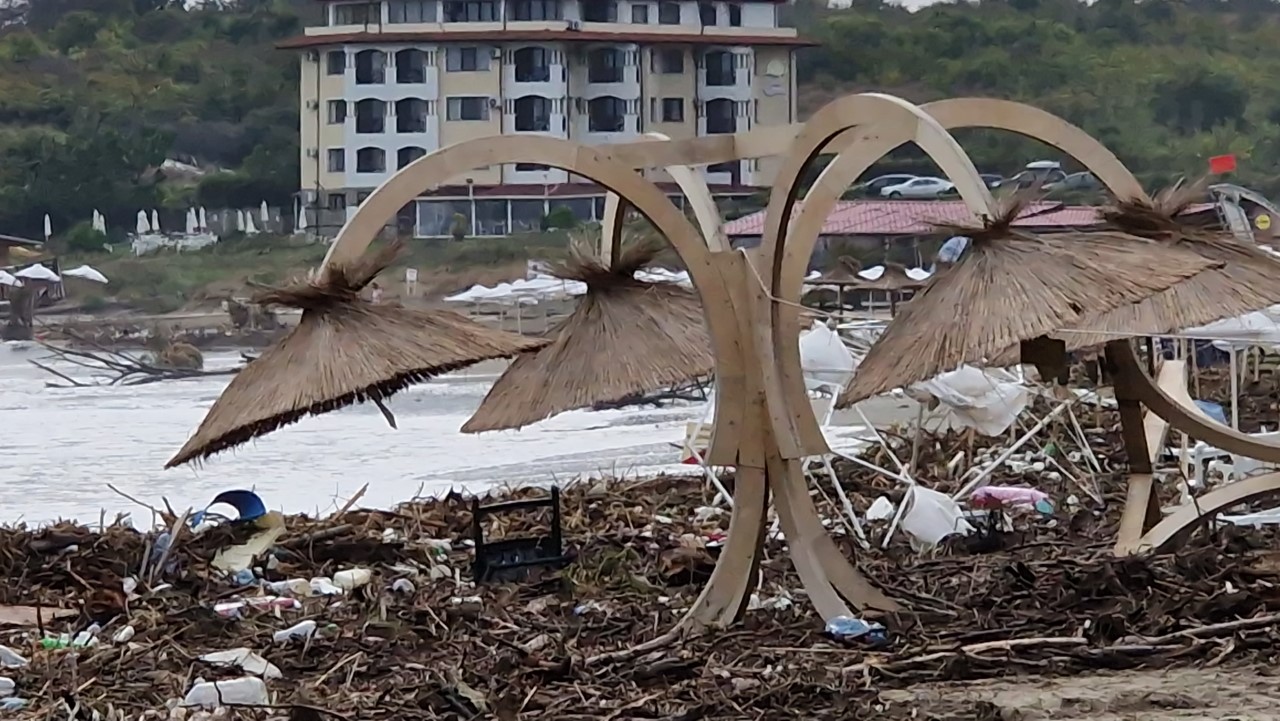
(764,426)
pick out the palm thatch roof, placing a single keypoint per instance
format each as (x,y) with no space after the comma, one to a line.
(1249,280)
(344,350)
(626,337)
(847,269)
(894,277)
(1011,286)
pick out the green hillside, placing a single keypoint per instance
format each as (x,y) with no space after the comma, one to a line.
(94,95)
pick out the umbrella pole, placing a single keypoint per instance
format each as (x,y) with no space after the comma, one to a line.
(1235,390)
(1026,437)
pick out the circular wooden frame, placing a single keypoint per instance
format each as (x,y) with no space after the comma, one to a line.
(764,426)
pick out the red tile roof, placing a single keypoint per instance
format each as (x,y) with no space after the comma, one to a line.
(570,36)
(914,217)
(561,190)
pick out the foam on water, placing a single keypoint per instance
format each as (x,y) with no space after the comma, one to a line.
(63,446)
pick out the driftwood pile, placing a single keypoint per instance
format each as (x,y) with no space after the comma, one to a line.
(420,642)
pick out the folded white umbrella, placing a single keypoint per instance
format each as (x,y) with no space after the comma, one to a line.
(86,272)
(38,272)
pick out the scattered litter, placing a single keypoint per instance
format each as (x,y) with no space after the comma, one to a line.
(300,630)
(882,509)
(244,659)
(246,691)
(848,628)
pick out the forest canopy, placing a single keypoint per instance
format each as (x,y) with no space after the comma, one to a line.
(96,94)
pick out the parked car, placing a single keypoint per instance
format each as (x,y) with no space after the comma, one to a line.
(1074,182)
(875,185)
(993,181)
(919,188)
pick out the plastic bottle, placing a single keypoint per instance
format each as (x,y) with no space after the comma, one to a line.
(352,578)
(245,691)
(124,635)
(7,686)
(301,630)
(12,703)
(848,628)
(295,587)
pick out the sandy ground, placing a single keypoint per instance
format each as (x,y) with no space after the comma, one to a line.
(1239,694)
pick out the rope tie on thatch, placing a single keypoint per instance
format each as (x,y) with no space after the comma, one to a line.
(333,287)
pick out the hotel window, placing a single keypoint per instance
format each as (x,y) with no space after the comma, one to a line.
(337,160)
(707,13)
(606,115)
(671,61)
(371,67)
(411,66)
(411,11)
(668,13)
(532,114)
(639,14)
(411,115)
(604,65)
(533,65)
(467,108)
(371,160)
(600,11)
(721,68)
(464,60)
(336,62)
(470,11)
(673,110)
(337,201)
(735,14)
(337,112)
(535,10)
(371,116)
(358,14)
(407,155)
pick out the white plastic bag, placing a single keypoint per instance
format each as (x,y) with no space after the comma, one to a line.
(932,516)
(824,359)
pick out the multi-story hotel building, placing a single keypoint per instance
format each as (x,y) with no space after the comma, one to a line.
(385,82)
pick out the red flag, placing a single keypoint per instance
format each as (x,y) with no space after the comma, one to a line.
(1222,164)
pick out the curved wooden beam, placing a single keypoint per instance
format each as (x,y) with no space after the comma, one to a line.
(1131,380)
(696,192)
(785,252)
(437,167)
(1037,124)
(1189,515)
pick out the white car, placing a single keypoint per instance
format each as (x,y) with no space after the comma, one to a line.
(919,188)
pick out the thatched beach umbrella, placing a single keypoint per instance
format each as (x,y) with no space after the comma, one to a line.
(627,336)
(344,350)
(1011,286)
(1249,280)
(843,276)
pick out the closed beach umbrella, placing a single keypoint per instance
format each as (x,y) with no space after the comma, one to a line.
(155,221)
(48,227)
